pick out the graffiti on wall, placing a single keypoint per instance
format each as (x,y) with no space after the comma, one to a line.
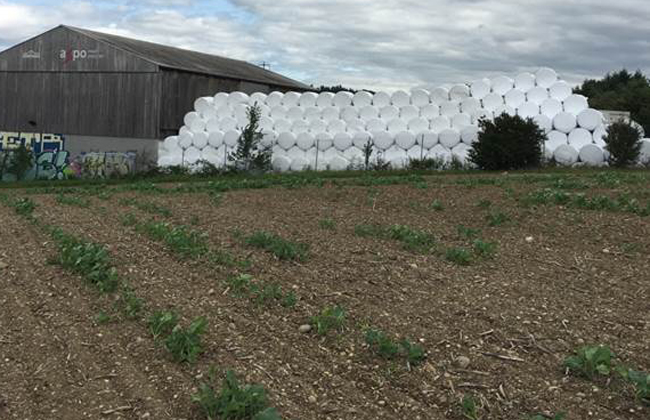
(104,164)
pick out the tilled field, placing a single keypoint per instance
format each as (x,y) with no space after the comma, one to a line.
(561,273)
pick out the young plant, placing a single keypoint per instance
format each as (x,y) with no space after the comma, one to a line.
(278,246)
(327,224)
(331,318)
(239,285)
(162,323)
(640,381)
(484,249)
(558,416)
(469,407)
(131,304)
(458,256)
(381,343)
(102,318)
(183,241)
(24,207)
(437,205)
(184,344)
(412,239)
(73,200)
(484,204)
(623,142)
(289,300)
(497,218)
(467,233)
(414,352)
(251,155)
(591,361)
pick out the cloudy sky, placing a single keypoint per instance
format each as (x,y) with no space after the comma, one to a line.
(375,44)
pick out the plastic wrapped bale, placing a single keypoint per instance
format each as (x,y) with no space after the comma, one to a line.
(286,140)
(493,101)
(599,136)
(291,99)
(197,125)
(336,126)
(396,125)
(543,122)
(200,140)
(258,98)
(191,156)
(185,140)
(266,124)
(556,139)
(299,126)
(227,124)
(282,125)
(644,154)
(427,139)
(355,125)
(308,99)
(269,138)
(368,112)
(312,113)
(295,113)
(281,163)
(382,139)
(236,98)
(545,77)
(416,152)
(460,121)
(183,129)
(317,126)
(338,163)
(342,99)
(505,109)
(469,134)
(440,124)
(439,95)
(209,113)
(528,110)
(480,88)
(459,92)
(211,155)
(482,114)
(565,122)
(355,156)
(525,81)
(565,155)
(279,112)
(560,90)
(461,153)
(515,97)
(502,84)
(274,99)
(551,107)
(242,120)
(325,100)
(361,138)
(396,157)
(405,140)
(215,139)
(362,98)
(591,155)
(420,97)
(417,125)
(409,112)
(299,164)
(575,104)
(305,141)
(342,141)
(470,106)
(381,99)
(537,95)
(389,112)
(399,98)
(213,124)
(590,119)
(441,153)
(330,114)
(449,138)
(220,99)
(324,141)
(376,125)
(449,109)
(230,138)
(580,137)
(349,113)
(203,104)
(430,111)
(171,143)
(225,112)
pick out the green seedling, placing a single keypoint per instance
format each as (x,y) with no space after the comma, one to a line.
(591,361)
(186,243)
(497,218)
(467,233)
(239,285)
(265,293)
(128,219)
(24,206)
(437,205)
(381,344)
(327,224)
(411,239)
(73,200)
(184,344)
(640,381)
(469,407)
(289,300)
(558,416)
(484,249)
(102,318)
(458,256)
(162,323)
(414,352)
(331,318)
(130,303)
(484,204)
(278,246)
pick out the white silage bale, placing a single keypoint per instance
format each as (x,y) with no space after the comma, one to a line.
(336,126)
(236,98)
(430,111)
(537,95)
(342,99)
(460,121)
(184,129)
(330,114)
(299,126)
(200,140)
(209,113)
(396,125)
(191,156)
(325,100)
(381,99)
(565,122)
(580,137)
(459,92)
(257,98)
(361,138)
(355,125)
(376,124)
(415,152)
(439,95)
(242,120)
(417,125)
(420,97)
(368,112)
(305,141)
(565,155)
(450,108)
(362,98)
(543,122)
(190,117)
(299,164)
(440,152)
(324,141)
(286,140)
(317,126)
(240,109)
(279,112)
(164,160)
(295,113)
(502,84)
(575,104)
(427,139)
(469,134)
(339,163)
(389,112)
(274,99)
(440,124)
(545,77)
(231,137)
(266,123)
(449,138)
(470,106)
(551,107)
(555,139)
(342,141)
(590,119)
(409,112)
(269,138)
(210,155)
(528,110)
(591,155)
(397,157)
(560,90)
(644,154)
(405,139)
(354,155)
(291,99)
(399,98)
(480,88)
(312,113)
(382,139)
(265,110)
(461,152)
(308,99)
(282,125)
(220,99)
(225,112)
(493,101)
(281,163)
(294,153)
(215,139)
(171,142)
(185,140)
(482,114)
(197,125)
(349,113)
(326,156)
(505,109)
(515,97)
(525,81)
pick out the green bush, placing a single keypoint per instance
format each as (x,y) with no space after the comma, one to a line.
(250,155)
(623,144)
(508,142)
(185,343)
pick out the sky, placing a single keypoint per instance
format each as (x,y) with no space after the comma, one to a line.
(371,44)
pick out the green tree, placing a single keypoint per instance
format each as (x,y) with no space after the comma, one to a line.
(621,91)
(623,143)
(22,160)
(251,155)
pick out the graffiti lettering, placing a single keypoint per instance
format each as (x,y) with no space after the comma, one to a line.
(104,164)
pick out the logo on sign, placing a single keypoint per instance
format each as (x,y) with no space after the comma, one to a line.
(32,54)
(75,55)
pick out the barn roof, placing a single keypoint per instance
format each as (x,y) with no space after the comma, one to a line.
(192,61)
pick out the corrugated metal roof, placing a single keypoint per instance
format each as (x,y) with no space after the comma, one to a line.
(192,61)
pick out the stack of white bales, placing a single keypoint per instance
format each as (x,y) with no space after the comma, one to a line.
(329,131)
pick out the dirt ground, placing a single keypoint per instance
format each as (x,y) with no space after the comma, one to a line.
(561,278)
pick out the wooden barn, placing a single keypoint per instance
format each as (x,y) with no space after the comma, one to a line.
(104,92)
